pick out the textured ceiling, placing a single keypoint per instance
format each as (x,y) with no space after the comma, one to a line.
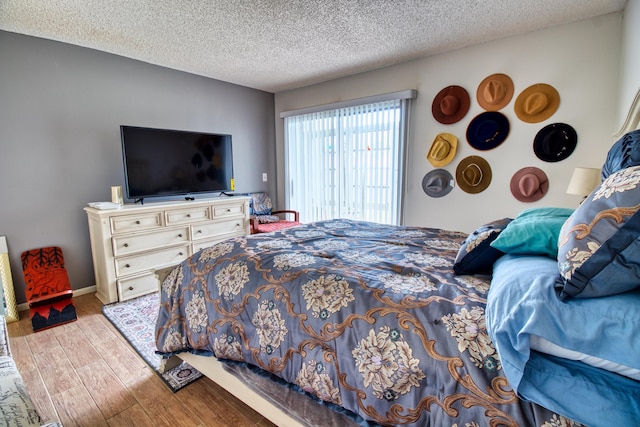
(278,45)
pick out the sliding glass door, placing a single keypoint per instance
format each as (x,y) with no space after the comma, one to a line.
(347,162)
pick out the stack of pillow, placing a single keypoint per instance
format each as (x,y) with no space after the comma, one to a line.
(534,232)
(597,245)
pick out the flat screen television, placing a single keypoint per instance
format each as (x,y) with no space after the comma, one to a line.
(165,163)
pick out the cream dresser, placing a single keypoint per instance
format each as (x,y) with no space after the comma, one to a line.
(128,244)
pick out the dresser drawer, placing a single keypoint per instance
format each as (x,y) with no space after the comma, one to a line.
(135,286)
(201,244)
(187,216)
(139,222)
(227,210)
(222,229)
(146,261)
(128,244)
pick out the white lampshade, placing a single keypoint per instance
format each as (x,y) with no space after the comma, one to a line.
(584,181)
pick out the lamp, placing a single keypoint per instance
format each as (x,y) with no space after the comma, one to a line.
(584,181)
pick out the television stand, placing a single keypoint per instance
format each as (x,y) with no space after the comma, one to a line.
(129,244)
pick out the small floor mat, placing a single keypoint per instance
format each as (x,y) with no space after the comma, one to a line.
(136,319)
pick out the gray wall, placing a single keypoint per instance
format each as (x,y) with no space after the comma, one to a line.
(60,111)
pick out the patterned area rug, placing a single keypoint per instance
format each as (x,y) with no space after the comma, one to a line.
(136,321)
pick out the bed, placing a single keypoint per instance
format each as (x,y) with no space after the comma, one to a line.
(387,325)
(365,316)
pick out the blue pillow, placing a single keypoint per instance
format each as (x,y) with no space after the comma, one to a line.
(476,256)
(534,232)
(599,247)
(625,153)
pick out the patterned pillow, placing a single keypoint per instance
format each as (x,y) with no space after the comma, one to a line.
(476,256)
(4,338)
(267,219)
(260,204)
(599,246)
(15,399)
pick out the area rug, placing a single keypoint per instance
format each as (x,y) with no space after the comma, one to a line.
(136,319)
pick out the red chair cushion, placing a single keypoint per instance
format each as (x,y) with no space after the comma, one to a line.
(274,226)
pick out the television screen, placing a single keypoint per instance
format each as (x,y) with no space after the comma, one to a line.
(162,162)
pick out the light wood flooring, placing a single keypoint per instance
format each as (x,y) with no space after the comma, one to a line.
(85,373)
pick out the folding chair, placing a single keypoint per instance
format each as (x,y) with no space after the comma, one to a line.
(48,290)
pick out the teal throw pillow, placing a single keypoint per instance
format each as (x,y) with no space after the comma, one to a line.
(534,232)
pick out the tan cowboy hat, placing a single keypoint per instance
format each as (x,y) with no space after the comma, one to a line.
(437,183)
(495,92)
(537,103)
(529,184)
(450,105)
(443,149)
(473,174)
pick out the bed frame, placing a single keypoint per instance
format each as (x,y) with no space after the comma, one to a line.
(633,117)
(214,369)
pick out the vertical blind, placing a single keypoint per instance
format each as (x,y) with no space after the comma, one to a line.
(347,162)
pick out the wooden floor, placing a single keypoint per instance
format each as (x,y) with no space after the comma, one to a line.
(85,373)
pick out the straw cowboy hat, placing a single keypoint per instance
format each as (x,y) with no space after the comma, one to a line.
(495,92)
(450,104)
(443,149)
(437,183)
(487,130)
(473,174)
(529,184)
(537,103)
(555,142)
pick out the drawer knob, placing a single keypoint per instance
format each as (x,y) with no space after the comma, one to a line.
(228,210)
(180,253)
(188,215)
(180,235)
(130,288)
(126,245)
(199,231)
(138,222)
(127,265)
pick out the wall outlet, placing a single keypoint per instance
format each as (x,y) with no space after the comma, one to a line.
(264,177)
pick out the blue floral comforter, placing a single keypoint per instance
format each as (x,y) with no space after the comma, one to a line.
(365,316)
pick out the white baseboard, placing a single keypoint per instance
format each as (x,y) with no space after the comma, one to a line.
(76,292)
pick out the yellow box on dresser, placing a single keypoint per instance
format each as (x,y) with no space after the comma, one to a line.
(128,244)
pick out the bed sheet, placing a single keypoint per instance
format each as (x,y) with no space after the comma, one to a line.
(523,302)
